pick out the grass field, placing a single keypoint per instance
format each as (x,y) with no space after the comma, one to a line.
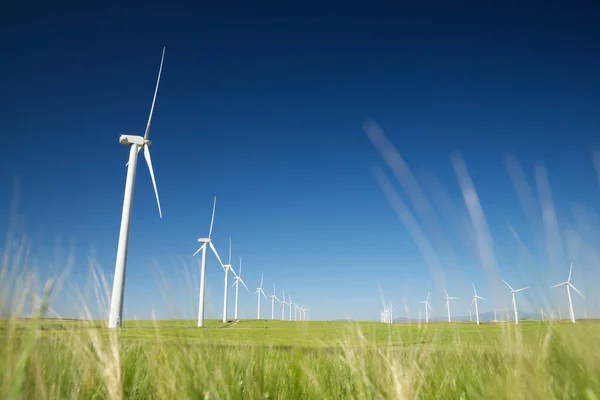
(252,359)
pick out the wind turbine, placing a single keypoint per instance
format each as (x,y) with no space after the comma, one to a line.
(226,268)
(259,291)
(136,144)
(448,298)
(514,301)
(391,314)
(238,280)
(475,297)
(427,307)
(283,303)
(273,298)
(289,303)
(206,242)
(570,286)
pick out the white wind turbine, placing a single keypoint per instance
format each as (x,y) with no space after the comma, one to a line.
(514,300)
(283,303)
(136,144)
(206,242)
(570,286)
(448,298)
(427,307)
(259,291)
(227,268)
(475,297)
(238,280)
(289,303)
(273,298)
(391,310)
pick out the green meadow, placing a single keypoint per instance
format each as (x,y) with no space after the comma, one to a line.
(261,359)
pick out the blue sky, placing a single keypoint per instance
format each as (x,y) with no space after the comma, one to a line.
(264,108)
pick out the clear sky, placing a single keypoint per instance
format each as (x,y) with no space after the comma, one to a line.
(264,107)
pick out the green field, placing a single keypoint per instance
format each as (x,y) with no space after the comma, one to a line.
(252,359)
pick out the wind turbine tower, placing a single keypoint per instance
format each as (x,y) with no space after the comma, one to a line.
(283,303)
(570,286)
(475,297)
(227,268)
(427,307)
(273,298)
(206,242)
(514,300)
(238,280)
(136,144)
(259,291)
(448,298)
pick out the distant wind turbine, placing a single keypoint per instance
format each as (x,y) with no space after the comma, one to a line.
(448,298)
(290,306)
(227,268)
(238,280)
(136,144)
(427,307)
(475,297)
(570,286)
(514,300)
(391,310)
(259,291)
(273,298)
(283,303)
(206,242)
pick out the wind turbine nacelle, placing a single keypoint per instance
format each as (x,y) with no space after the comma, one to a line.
(204,240)
(133,139)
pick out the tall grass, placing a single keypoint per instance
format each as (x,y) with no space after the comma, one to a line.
(61,359)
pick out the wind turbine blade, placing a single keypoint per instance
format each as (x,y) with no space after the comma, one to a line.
(446,292)
(510,287)
(212,246)
(560,284)
(212,219)
(520,290)
(240,267)
(198,251)
(262,275)
(575,289)
(149,162)
(428,294)
(263,293)
(230,251)
(473,302)
(481,298)
(155,93)
(570,272)
(474,290)
(233,272)
(241,280)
